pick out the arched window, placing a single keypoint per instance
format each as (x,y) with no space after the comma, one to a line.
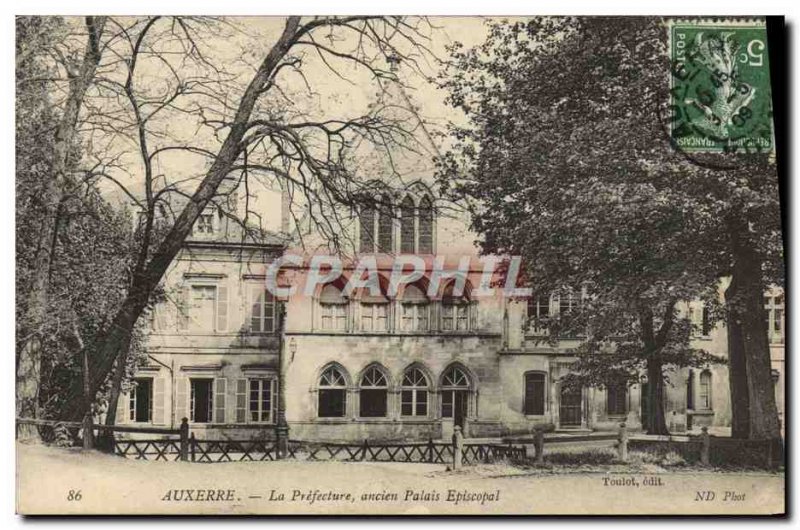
(333,308)
(425,245)
(704,395)
(374,310)
(332,393)
(456,388)
(415,308)
(616,400)
(373,393)
(535,393)
(407,226)
(366,220)
(385,225)
(455,308)
(414,393)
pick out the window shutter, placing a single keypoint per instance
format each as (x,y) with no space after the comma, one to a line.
(222,308)
(182,398)
(158,401)
(183,308)
(123,408)
(220,387)
(273,384)
(160,318)
(241,401)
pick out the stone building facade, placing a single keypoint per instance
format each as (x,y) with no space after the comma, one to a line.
(358,365)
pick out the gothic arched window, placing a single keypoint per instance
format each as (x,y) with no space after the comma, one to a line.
(366,218)
(332,393)
(407,226)
(414,393)
(425,241)
(415,307)
(373,393)
(385,225)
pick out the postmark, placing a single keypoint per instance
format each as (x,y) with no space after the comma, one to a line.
(720,94)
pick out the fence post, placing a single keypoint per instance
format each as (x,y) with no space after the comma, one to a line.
(184,439)
(622,445)
(88,432)
(364,449)
(430,449)
(192,445)
(538,444)
(458,447)
(705,447)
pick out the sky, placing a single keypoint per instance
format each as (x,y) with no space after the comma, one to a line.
(344,91)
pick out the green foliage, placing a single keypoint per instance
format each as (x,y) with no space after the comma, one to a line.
(567,161)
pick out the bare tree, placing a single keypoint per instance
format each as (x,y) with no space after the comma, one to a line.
(262,136)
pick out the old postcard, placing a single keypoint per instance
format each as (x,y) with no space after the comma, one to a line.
(358,265)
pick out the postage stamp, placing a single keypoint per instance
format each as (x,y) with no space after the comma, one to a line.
(720,86)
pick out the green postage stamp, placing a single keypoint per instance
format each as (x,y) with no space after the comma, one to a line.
(721,99)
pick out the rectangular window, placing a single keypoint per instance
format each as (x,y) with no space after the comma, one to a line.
(534,393)
(203,308)
(414,402)
(705,327)
(332,402)
(447,404)
(448,318)
(205,223)
(616,400)
(415,317)
(374,317)
(538,309)
(260,400)
(700,318)
(455,317)
(262,311)
(372,402)
(568,301)
(334,317)
(202,400)
(141,401)
(704,395)
(775,316)
(462,317)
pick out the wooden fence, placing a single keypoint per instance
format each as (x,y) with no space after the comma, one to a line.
(180,444)
(409,452)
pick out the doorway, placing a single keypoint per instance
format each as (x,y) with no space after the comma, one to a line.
(569,409)
(454,405)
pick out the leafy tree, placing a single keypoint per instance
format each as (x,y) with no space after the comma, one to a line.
(84,245)
(45,156)
(567,160)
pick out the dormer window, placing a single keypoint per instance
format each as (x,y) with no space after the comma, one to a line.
(455,310)
(415,309)
(333,308)
(205,223)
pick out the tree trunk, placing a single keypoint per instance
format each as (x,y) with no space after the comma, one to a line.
(112,342)
(30,356)
(737,368)
(656,422)
(747,307)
